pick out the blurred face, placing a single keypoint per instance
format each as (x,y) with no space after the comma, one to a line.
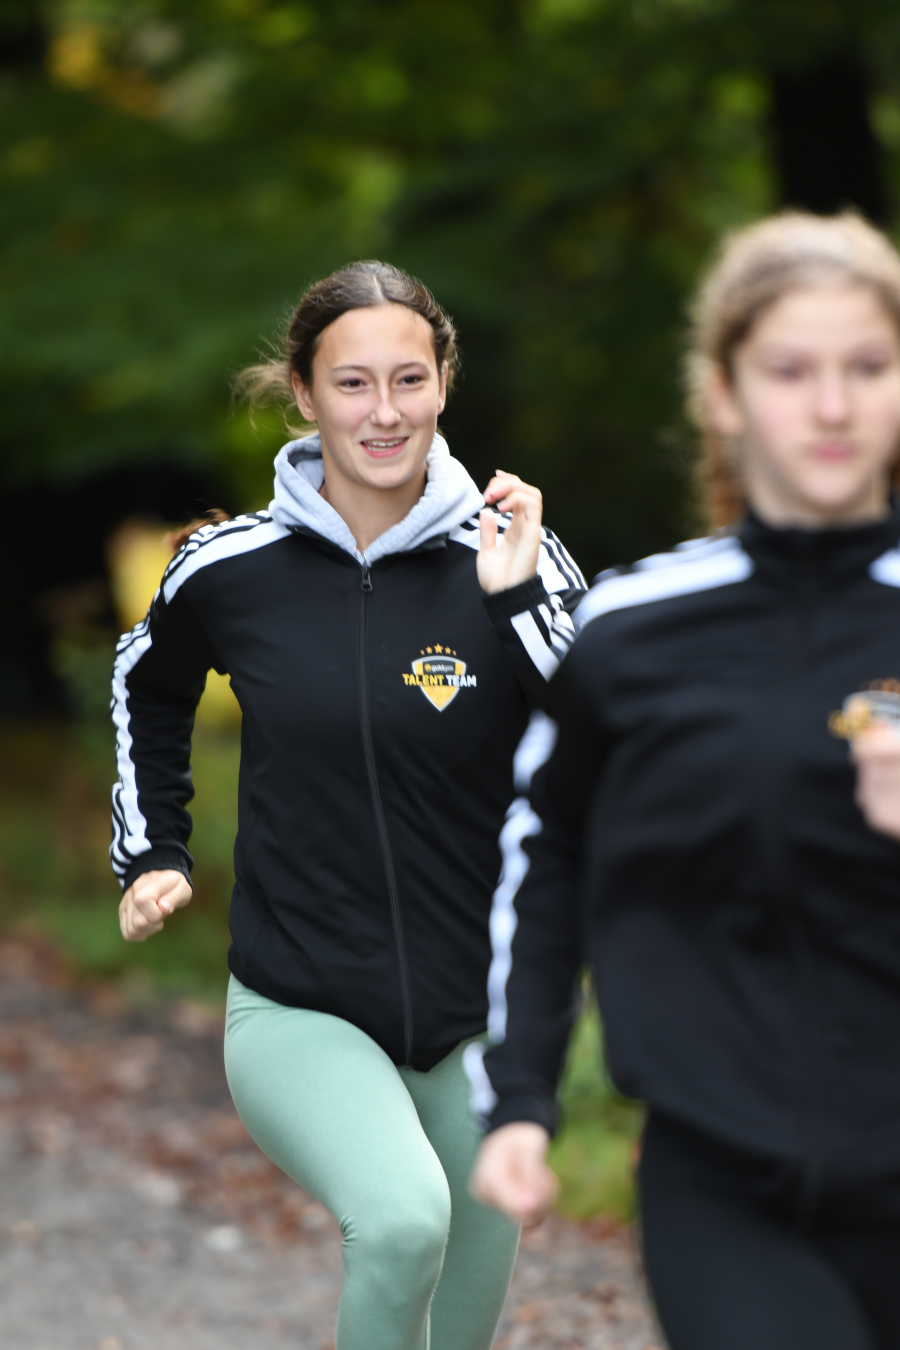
(813,407)
(376,395)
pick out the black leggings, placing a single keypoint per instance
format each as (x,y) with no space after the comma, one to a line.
(729,1270)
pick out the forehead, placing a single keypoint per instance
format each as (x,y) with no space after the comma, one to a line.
(377,335)
(825,317)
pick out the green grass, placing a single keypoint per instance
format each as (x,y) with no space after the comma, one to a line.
(55,882)
(593,1153)
(55,878)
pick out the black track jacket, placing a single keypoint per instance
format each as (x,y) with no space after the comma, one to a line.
(383,697)
(691,825)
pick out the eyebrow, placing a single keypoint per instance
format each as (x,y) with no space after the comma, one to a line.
(403,366)
(802,348)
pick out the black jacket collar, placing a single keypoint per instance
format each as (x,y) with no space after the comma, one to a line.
(831,557)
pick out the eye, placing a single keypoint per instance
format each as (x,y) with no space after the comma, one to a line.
(352,382)
(870,366)
(410,381)
(788,372)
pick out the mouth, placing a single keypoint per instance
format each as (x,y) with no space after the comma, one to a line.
(834,452)
(384,447)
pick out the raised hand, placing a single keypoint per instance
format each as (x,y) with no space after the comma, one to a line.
(149,901)
(510,1173)
(507,559)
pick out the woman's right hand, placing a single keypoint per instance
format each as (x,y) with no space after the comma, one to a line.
(876,754)
(150,900)
(511,1175)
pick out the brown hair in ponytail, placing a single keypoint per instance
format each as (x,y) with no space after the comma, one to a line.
(357,286)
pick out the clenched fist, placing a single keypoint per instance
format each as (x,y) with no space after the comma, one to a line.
(149,901)
(510,1173)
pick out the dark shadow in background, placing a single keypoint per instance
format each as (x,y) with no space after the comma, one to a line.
(53,540)
(825,149)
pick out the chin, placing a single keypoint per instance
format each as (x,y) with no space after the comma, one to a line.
(389,476)
(835,503)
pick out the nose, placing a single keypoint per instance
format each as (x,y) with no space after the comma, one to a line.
(832,399)
(384,414)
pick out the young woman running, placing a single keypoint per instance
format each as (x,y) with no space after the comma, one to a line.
(692,831)
(385,666)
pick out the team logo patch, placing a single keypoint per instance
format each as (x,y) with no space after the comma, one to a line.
(440,674)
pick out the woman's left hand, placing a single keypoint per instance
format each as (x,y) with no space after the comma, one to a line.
(876,754)
(508,559)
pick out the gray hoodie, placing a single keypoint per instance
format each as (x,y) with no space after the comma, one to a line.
(450,497)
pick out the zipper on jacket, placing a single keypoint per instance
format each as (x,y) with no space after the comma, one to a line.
(380,821)
(777,868)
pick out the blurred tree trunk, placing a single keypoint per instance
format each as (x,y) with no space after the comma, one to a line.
(825,149)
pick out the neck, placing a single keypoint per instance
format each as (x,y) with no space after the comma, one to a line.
(779,517)
(780,511)
(369,511)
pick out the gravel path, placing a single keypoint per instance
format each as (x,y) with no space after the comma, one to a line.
(136,1213)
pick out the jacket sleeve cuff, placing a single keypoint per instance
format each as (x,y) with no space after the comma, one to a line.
(515,599)
(537,1110)
(159,860)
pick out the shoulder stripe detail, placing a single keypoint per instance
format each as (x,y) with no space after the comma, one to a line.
(129,824)
(468,531)
(214,543)
(701,565)
(886,569)
(535,748)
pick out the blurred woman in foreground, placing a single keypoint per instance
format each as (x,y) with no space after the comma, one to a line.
(694,815)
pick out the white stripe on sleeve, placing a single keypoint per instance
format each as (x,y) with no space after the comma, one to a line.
(534,750)
(129,824)
(535,644)
(482,1097)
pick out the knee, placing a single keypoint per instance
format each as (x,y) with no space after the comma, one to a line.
(406,1235)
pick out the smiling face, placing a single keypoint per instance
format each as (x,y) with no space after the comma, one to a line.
(812,407)
(376,394)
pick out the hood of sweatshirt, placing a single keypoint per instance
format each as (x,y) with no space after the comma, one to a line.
(450,497)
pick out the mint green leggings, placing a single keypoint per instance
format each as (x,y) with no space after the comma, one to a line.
(389,1152)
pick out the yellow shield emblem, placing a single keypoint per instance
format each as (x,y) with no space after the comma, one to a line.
(438,677)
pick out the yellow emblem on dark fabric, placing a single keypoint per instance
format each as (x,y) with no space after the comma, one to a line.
(438,678)
(440,675)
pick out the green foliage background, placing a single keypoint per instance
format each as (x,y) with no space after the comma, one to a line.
(173,174)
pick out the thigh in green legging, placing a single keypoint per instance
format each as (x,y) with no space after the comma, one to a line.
(388,1151)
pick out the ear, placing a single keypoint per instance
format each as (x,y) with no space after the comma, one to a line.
(722,406)
(442,387)
(302,398)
